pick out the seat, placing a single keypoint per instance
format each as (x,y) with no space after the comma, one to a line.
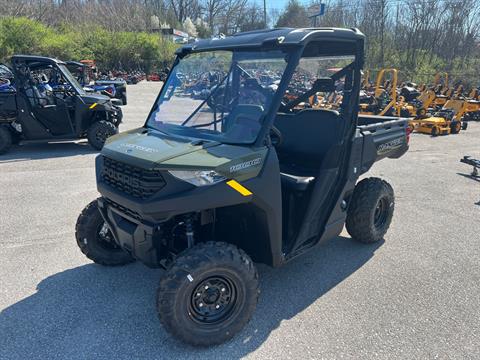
(296,183)
(243,123)
(308,136)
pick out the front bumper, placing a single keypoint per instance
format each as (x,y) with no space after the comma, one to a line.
(139,220)
(132,234)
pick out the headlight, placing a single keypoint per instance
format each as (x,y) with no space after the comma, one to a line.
(198,177)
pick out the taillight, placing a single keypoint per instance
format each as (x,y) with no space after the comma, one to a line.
(408,132)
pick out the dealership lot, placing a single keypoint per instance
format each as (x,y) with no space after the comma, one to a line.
(416,295)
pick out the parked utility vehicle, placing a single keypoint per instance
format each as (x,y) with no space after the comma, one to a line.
(206,192)
(46,103)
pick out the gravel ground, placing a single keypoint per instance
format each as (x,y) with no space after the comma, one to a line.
(416,295)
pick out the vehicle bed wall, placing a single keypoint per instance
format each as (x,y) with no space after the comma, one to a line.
(382,137)
(364,120)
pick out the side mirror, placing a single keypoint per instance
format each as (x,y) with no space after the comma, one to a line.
(324,85)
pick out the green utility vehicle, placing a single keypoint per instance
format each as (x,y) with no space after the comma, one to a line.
(206,189)
(45,103)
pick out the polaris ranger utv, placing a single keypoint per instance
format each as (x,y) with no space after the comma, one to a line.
(46,103)
(206,192)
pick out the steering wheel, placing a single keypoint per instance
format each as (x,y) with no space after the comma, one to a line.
(276,136)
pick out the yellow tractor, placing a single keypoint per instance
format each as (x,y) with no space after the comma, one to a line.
(384,98)
(418,107)
(448,120)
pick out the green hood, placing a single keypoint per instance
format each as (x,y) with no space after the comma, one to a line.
(152,149)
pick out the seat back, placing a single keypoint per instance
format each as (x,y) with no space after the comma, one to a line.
(307,137)
(243,122)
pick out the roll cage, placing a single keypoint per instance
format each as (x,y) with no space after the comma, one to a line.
(297,44)
(25,65)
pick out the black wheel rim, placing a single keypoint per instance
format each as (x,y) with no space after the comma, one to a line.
(213,300)
(381,213)
(105,238)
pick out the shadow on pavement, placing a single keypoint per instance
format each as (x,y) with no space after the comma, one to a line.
(46,151)
(470,176)
(97,312)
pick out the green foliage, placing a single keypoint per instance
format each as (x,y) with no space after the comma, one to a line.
(110,50)
(21,35)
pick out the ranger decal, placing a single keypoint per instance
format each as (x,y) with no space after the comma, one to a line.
(245,165)
(394,144)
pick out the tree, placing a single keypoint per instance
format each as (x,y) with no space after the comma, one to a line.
(189,27)
(203,30)
(295,15)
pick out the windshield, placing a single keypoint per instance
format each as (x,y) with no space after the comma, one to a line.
(71,79)
(219,95)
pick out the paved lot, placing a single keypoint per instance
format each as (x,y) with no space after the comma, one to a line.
(417,295)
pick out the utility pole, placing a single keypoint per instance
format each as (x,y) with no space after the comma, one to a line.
(265,13)
(382,33)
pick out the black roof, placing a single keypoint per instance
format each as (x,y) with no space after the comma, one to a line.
(35,58)
(284,36)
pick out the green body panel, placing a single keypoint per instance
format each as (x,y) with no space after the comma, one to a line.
(150,149)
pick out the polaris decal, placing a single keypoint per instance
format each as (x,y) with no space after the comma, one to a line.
(391,145)
(245,165)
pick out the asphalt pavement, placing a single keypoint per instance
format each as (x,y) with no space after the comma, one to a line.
(414,296)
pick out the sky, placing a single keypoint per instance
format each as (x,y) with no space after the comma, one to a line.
(279,4)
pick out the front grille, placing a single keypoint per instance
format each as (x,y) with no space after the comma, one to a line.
(131,180)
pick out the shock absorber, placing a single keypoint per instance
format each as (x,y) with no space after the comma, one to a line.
(189,231)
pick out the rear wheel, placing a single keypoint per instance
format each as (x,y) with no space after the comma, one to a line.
(99,132)
(208,294)
(371,210)
(6,140)
(95,240)
(455,127)
(435,131)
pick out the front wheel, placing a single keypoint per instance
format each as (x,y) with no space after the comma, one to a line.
(99,132)
(95,240)
(370,211)
(208,294)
